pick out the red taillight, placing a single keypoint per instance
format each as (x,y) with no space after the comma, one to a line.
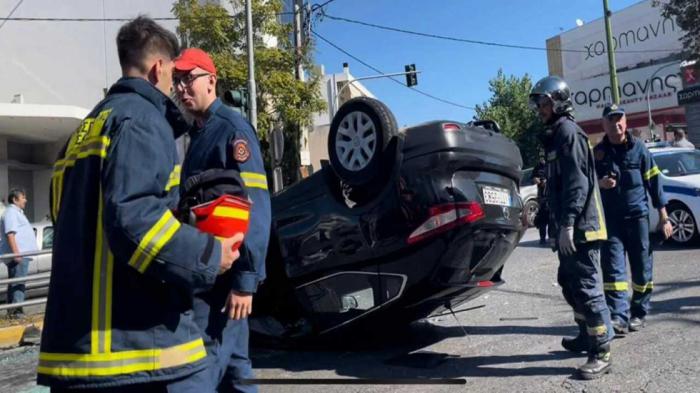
(484,284)
(445,217)
(451,127)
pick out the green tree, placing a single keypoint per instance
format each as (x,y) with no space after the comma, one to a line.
(281,99)
(687,14)
(508,106)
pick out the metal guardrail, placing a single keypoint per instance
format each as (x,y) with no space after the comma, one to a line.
(23,304)
(27,278)
(35,281)
(24,254)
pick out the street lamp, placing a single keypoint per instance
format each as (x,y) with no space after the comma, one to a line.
(650,81)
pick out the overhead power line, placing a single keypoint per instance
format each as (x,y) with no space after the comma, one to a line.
(317,6)
(375,69)
(475,42)
(11,13)
(117,19)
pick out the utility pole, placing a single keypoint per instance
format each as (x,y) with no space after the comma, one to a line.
(251,65)
(611,55)
(298,43)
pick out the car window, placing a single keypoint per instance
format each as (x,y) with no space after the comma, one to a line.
(47,242)
(681,163)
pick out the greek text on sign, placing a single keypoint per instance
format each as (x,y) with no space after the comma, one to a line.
(496,196)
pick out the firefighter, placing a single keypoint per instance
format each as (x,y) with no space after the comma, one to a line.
(124,270)
(222,139)
(627,172)
(576,221)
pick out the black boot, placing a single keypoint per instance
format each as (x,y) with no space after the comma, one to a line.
(598,363)
(619,327)
(576,344)
(636,324)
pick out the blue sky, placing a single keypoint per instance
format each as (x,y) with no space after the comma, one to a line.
(454,71)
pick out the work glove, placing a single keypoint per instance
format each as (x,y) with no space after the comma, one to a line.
(566,241)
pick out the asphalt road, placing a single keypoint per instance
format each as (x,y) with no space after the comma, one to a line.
(512,344)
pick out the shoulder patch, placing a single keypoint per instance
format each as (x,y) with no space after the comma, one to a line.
(599,154)
(241,151)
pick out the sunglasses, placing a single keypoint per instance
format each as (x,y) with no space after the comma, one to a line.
(187,79)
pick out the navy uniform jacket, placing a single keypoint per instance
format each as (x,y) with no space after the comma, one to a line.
(124,269)
(572,190)
(228,141)
(636,174)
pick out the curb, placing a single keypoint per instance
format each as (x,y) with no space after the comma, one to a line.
(12,336)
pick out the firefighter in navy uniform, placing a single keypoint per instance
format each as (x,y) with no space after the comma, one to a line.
(124,270)
(223,140)
(577,222)
(627,172)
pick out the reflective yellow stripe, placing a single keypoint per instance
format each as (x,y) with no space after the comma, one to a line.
(652,172)
(154,240)
(174,179)
(596,330)
(602,233)
(616,286)
(126,362)
(96,146)
(643,288)
(231,212)
(252,179)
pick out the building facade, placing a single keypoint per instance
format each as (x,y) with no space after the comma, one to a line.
(648,60)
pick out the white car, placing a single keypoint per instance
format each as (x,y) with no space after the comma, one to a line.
(680,178)
(528,194)
(44,238)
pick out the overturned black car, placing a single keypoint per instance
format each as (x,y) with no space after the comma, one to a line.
(398,226)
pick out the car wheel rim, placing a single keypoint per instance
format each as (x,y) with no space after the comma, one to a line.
(683,225)
(531,213)
(356,141)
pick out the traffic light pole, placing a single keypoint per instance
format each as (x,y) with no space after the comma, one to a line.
(366,78)
(614,90)
(251,65)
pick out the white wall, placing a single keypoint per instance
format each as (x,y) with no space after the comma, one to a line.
(40,199)
(66,63)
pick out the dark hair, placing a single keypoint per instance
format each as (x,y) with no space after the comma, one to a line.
(15,194)
(141,38)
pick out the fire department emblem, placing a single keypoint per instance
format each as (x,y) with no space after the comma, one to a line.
(241,152)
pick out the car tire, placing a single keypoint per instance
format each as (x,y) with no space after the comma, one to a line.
(685,227)
(358,138)
(531,208)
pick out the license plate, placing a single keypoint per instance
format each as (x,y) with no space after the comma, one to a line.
(496,196)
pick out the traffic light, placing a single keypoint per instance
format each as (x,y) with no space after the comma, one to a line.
(238,99)
(411,76)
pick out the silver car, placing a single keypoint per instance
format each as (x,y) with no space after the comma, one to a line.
(528,194)
(39,264)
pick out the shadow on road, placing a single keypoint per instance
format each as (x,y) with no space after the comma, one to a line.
(534,244)
(401,355)
(683,305)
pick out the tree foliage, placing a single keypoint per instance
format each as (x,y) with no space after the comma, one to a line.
(282,100)
(687,14)
(508,106)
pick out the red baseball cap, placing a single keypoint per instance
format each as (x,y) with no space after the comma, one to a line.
(192,58)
